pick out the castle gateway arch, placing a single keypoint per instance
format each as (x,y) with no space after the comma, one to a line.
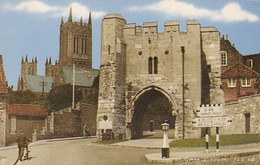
(147,75)
(148,109)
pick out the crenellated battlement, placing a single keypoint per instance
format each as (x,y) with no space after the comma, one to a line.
(151,28)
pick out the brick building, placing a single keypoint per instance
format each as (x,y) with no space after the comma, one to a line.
(253,61)
(26,117)
(239,80)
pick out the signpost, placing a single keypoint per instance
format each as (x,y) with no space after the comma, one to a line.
(211,115)
(216,121)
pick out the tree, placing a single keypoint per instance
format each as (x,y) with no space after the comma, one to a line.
(61,97)
(21,97)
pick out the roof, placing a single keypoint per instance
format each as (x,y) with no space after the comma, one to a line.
(3,83)
(239,70)
(30,110)
(34,83)
(83,77)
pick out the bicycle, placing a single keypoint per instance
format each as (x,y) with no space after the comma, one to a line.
(21,155)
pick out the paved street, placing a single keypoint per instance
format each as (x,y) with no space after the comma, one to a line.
(77,152)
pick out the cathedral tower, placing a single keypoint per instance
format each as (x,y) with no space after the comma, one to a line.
(27,68)
(76,43)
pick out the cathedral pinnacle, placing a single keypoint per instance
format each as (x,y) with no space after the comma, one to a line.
(70,16)
(22,60)
(62,20)
(26,58)
(81,20)
(90,19)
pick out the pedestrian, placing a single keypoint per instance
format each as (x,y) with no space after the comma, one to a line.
(22,141)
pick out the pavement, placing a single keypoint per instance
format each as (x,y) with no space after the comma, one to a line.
(198,154)
(195,154)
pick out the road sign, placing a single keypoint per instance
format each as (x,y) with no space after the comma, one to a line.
(202,122)
(216,121)
(210,110)
(220,121)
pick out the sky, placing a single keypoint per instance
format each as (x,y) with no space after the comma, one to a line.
(31,27)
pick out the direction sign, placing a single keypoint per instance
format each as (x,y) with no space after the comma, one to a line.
(216,121)
(202,122)
(210,110)
(220,121)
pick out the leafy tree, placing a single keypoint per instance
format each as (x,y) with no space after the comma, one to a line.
(61,97)
(21,97)
(93,98)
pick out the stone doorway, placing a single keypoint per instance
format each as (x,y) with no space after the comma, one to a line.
(151,109)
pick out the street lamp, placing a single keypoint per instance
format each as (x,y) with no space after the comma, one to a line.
(165,147)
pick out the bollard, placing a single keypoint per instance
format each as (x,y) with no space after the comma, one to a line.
(165,147)
(34,136)
(151,125)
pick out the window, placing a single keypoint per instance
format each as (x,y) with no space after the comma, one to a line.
(231,82)
(250,63)
(223,58)
(246,82)
(150,65)
(155,65)
(166,52)
(140,53)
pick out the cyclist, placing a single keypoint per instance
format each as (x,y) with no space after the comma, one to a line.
(22,143)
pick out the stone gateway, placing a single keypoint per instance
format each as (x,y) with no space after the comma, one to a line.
(146,75)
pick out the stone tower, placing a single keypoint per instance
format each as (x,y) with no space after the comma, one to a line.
(27,68)
(141,66)
(49,68)
(112,77)
(76,42)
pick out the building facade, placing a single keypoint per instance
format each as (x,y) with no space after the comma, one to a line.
(141,66)
(239,81)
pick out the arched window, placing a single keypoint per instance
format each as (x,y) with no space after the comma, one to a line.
(155,65)
(150,65)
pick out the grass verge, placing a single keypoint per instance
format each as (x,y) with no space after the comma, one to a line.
(224,140)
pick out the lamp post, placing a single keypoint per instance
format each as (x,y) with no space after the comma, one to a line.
(165,147)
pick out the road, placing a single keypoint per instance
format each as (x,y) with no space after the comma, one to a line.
(78,152)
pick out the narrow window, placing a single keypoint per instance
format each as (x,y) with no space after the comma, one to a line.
(166,52)
(223,58)
(150,60)
(86,44)
(83,45)
(246,82)
(109,47)
(155,65)
(77,44)
(231,82)
(74,46)
(149,40)
(247,122)
(250,63)
(140,53)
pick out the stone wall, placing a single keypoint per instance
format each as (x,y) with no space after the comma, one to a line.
(67,124)
(237,110)
(89,117)
(2,127)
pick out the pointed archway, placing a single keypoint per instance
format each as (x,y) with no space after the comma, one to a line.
(151,104)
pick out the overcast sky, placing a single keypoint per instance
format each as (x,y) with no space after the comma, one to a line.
(32,26)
